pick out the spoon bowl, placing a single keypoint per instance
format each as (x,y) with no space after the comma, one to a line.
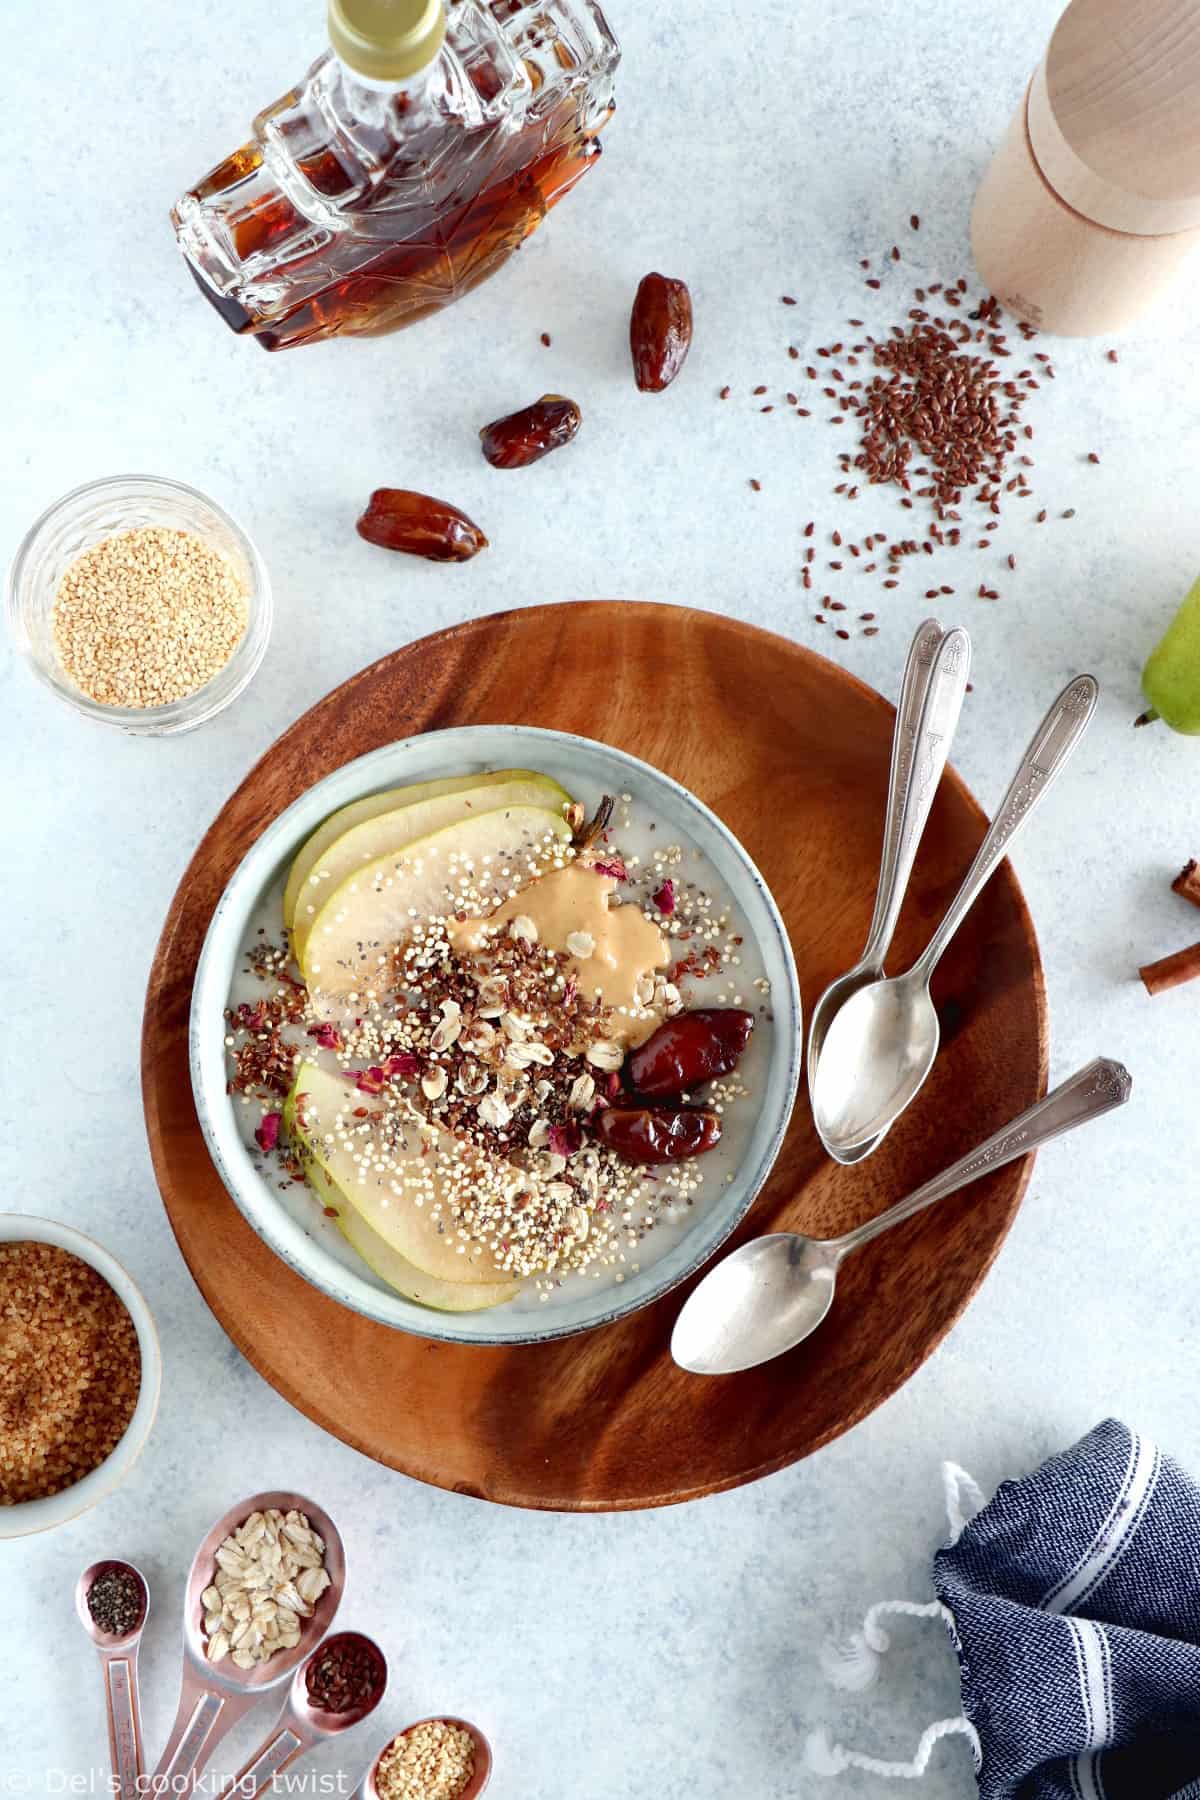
(879,1049)
(774,1292)
(302,1725)
(368,1788)
(118,1653)
(111,1640)
(931,697)
(214,1696)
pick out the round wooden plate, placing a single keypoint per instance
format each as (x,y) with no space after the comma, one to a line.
(793,754)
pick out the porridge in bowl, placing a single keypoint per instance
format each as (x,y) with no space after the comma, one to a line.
(502,1038)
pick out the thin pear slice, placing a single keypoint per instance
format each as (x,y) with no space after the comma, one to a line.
(491,854)
(370,807)
(396,1270)
(387,1200)
(389,832)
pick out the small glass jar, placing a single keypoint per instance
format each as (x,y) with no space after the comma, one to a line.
(99,510)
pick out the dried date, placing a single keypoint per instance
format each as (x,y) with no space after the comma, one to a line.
(660,331)
(657,1134)
(419,525)
(689,1049)
(525,437)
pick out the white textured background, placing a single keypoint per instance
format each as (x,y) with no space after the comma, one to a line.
(756,151)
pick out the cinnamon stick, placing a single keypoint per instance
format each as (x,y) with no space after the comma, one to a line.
(1187,882)
(1171,971)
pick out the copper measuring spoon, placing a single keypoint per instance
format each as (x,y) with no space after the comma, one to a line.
(119,1666)
(214,1696)
(368,1790)
(301,1725)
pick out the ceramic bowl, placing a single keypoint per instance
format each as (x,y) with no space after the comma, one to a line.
(40,1515)
(291,1222)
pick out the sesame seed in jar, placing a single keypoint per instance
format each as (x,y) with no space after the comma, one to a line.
(148,616)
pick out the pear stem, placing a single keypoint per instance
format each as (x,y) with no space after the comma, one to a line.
(1146,718)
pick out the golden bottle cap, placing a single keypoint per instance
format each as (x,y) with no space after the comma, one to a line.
(386,40)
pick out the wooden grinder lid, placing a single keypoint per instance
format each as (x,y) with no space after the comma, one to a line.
(1114,113)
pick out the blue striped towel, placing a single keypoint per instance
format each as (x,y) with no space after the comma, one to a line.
(1075,1598)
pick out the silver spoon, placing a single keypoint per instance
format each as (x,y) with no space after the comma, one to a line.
(773,1293)
(214,1696)
(368,1788)
(931,697)
(301,1725)
(119,1666)
(880,1047)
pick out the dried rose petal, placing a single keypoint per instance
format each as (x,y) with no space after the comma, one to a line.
(403,1063)
(565,1139)
(369,1081)
(664,899)
(267,1134)
(327,1036)
(611,865)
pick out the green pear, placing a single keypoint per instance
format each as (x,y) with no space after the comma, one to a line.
(374,838)
(1171,678)
(359,811)
(376,1210)
(378,906)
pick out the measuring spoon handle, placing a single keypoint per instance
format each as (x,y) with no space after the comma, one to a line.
(1053,742)
(123,1709)
(1098,1088)
(287,1741)
(931,698)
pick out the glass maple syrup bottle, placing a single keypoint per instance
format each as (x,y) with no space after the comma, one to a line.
(416,155)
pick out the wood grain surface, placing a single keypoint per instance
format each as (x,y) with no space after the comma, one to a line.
(793,754)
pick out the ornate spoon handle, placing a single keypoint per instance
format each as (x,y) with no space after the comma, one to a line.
(1053,742)
(935,682)
(1094,1090)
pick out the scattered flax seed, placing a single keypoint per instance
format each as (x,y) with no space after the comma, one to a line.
(793,353)
(915,222)
(787,299)
(546,339)
(431,1761)
(1042,516)
(1012,561)
(725,393)
(871,631)
(148,616)
(761,389)
(872,283)
(756,484)
(70,1370)
(843,634)
(895,253)
(1070,513)
(1113,357)
(1092,457)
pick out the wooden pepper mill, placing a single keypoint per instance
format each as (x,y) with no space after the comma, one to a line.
(1091,205)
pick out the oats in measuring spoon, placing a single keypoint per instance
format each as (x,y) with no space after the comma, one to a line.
(270,1574)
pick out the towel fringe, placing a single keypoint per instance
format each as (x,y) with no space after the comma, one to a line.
(853,1664)
(821,1757)
(964,1498)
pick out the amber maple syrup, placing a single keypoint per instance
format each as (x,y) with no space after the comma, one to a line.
(360,205)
